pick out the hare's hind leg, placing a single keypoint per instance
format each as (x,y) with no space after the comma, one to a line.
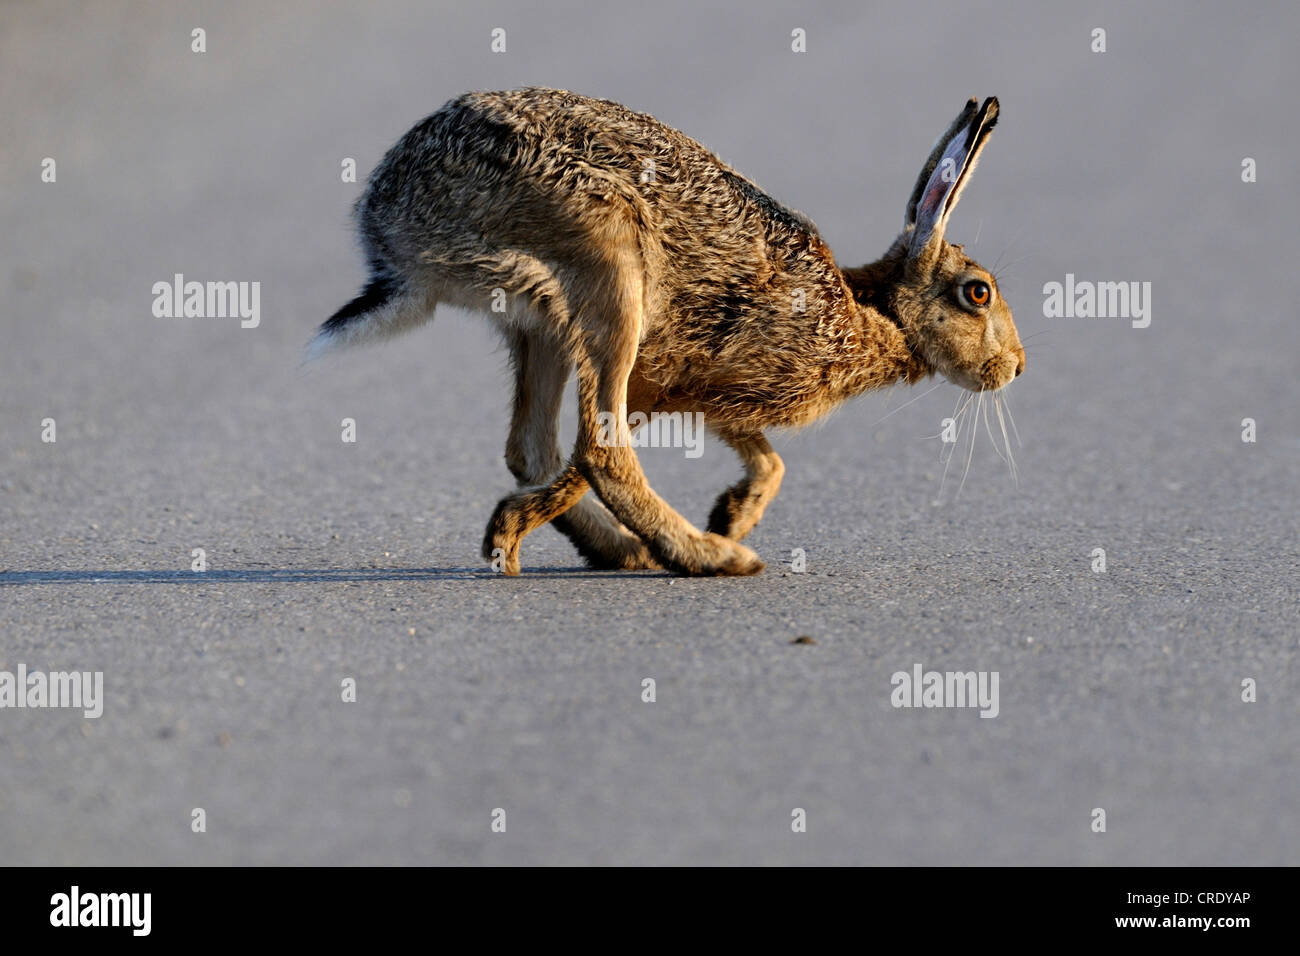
(741,506)
(533,456)
(608,333)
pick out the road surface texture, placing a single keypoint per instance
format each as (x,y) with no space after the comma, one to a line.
(1119,690)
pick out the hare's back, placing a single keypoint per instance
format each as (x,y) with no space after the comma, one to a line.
(483,151)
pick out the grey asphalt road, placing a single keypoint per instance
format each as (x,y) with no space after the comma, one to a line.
(327,560)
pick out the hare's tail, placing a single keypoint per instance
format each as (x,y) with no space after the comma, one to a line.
(385,307)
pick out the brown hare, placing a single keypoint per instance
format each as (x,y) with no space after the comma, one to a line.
(601,240)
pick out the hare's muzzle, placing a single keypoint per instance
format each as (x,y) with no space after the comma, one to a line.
(1002,368)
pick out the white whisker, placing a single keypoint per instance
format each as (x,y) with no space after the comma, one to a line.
(957,418)
(1012,419)
(958,410)
(906,403)
(1011,459)
(989,431)
(971,453)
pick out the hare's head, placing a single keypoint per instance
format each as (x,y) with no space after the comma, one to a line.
(949,306)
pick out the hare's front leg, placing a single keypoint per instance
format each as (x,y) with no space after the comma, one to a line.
(608,339)
(741,506)
(533,456)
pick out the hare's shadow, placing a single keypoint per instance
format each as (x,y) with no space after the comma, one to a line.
(298,575)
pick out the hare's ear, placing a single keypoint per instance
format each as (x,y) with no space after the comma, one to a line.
(946,173)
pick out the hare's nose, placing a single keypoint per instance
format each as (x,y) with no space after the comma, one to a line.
(1020,363)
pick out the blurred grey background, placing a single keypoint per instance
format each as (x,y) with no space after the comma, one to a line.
(329,560)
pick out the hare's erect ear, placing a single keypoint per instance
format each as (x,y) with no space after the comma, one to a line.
(946,173)
(961,122)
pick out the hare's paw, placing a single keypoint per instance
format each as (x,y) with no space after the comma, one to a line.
(604,544)
(729,513)
(713,555)
(504,532)
(631,556)
(735,557)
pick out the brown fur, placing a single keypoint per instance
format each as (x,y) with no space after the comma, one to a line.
(670,283)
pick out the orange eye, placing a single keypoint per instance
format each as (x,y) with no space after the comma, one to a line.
(977,292)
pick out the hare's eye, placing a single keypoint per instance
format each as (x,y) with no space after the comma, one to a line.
(977,293)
